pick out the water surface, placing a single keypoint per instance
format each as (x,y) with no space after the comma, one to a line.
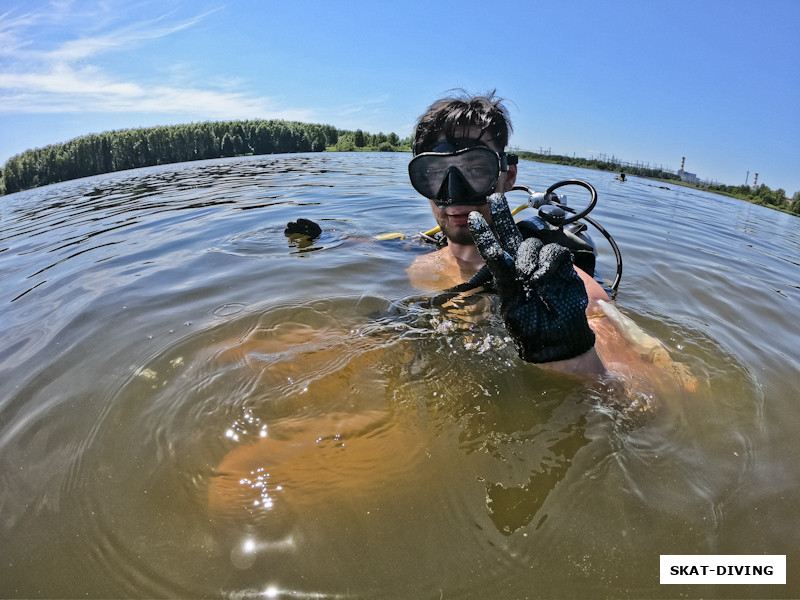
(159,331)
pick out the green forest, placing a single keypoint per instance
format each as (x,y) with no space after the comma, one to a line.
(133,148)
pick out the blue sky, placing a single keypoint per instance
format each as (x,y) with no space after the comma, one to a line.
(716,81)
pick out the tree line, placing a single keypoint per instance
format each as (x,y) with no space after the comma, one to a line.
(354,141)
(601,165)
(762,194)
(133,148)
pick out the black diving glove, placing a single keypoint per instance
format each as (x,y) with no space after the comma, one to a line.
(542,299)
(303,227)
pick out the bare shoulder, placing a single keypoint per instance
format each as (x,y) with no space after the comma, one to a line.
(436,271)
(425,262)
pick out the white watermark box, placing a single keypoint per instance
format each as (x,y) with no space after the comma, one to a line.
(723,568)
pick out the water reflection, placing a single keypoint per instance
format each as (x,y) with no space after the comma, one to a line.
(193,404)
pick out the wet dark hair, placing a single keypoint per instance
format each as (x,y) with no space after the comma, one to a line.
(453,114)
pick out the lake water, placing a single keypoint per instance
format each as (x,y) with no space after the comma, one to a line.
(193,404)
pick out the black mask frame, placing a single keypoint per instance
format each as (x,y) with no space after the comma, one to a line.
(464,176)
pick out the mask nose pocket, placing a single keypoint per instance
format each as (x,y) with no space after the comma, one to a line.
(455,188)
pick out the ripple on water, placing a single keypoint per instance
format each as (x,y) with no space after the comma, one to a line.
(194,403)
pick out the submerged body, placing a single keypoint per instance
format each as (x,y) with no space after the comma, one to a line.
(312,460)
(461,166)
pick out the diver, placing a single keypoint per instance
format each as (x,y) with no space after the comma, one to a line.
(556,313)
(461,166)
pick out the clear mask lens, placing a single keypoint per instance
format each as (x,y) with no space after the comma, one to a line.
(476,173)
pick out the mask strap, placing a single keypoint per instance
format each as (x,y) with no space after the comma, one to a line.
(506,160)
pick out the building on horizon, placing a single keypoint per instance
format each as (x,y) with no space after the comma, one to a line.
(685,175)
(688,177)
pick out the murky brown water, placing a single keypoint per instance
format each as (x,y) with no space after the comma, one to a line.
(192,404)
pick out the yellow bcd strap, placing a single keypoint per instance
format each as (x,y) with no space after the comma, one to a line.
(391,236)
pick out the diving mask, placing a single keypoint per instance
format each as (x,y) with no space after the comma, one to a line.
(467,176)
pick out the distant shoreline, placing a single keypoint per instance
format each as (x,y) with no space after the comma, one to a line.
(120,150)
(762,195)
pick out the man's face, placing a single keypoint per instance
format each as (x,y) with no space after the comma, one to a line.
(453,218)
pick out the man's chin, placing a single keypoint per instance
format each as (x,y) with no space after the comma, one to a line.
(459,235)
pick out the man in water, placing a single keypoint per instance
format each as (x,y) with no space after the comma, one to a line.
(558,316)
(461,166)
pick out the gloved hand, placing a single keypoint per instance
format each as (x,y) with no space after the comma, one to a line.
(303,227)
(542,298)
